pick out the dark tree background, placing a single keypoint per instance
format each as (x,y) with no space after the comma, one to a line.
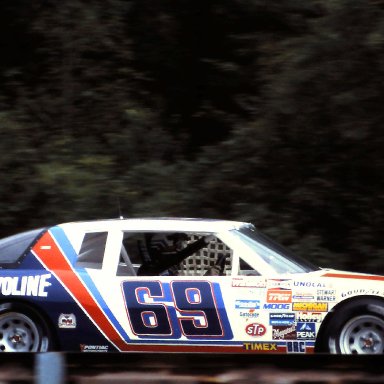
(262,111)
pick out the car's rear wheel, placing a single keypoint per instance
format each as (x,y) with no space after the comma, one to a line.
(357,328)
(21,330)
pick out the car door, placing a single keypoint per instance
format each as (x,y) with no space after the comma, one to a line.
(189,311)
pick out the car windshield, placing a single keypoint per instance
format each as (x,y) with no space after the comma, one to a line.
(279,258)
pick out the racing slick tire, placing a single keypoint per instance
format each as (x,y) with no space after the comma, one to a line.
(357,328)
(22,329)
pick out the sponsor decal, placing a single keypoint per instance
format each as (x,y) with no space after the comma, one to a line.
(281,318)
(248,283)
(279,283)
(67,321)
(311,307)
(250,314)
(93,348)
(326,298)
(326,291)
(309,284)
(247,304)
(255,292)
(284,333)
(296,347)
(362,291)
(306,331)
(260,347)
(309,317)
(25,285)
(303,296)
(277,306)
(255,329)
(326,295)
(279,295)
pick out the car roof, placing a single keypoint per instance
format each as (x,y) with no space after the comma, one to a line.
(158,224)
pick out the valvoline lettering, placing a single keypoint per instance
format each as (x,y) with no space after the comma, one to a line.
(25,285)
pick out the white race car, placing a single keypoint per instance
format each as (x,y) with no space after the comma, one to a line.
(178,285)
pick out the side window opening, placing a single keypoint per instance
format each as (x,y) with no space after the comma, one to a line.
(246,269)
(213,259)
(131,254)
(174,254)
(92,250)
(125,267)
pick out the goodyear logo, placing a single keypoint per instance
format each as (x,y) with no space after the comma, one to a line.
(281,318)
(311,307)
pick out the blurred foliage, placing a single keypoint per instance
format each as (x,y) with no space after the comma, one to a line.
(268,112)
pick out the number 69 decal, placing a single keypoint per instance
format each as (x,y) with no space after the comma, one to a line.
(193,309)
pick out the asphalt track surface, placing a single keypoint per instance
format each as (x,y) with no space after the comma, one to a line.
(116,368)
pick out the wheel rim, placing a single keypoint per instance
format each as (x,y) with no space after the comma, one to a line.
(362,335)
(18,333)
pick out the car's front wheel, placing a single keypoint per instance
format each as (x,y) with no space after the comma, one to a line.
(357,328)
(21,330)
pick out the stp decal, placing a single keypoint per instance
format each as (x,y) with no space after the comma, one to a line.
(255,329)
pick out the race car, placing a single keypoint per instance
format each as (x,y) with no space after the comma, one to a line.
(178,285)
